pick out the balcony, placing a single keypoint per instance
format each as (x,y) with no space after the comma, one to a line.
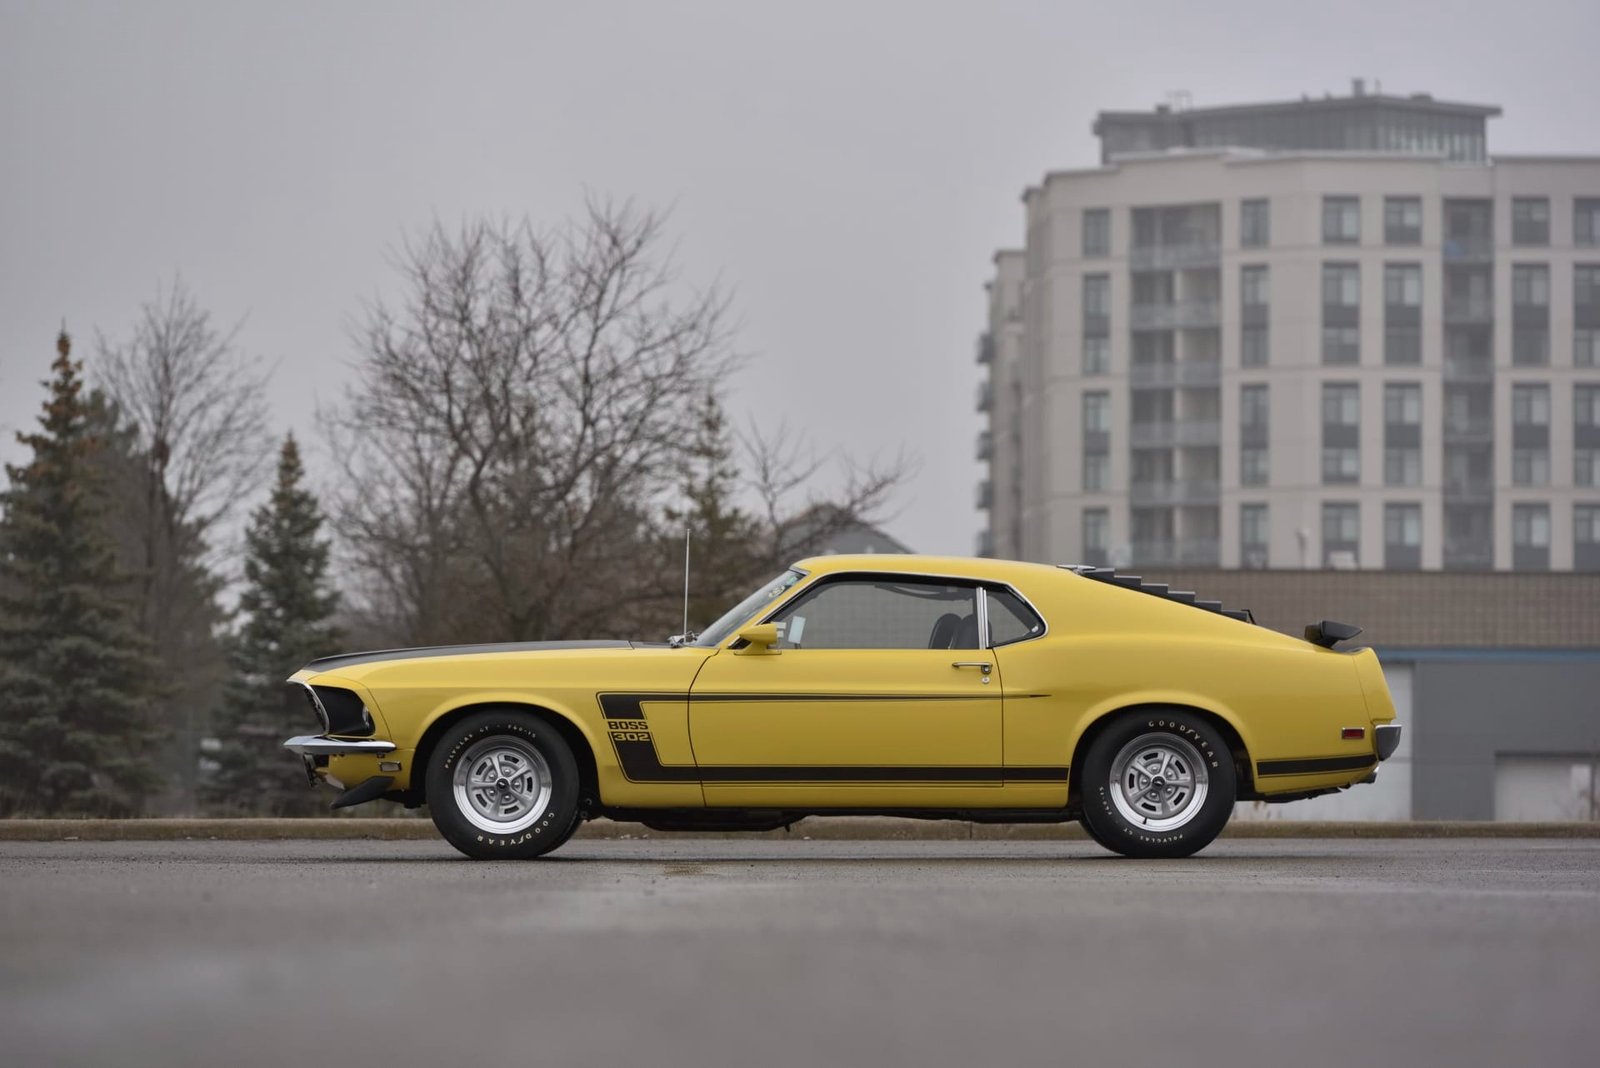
(1468,310)
(1190,552)
(1468,556)
(1173,494)
(985,445)
(985,348)
(1468,248)
(1191,314)
(1462,369)
(1198,374)
(1174,257)
(985,495)
(985,546)
(985,396)
(1468,491)
(1172,435)
(1477,430)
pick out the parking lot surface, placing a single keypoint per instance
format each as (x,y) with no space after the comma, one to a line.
(677,951)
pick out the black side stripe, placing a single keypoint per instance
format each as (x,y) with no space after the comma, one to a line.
(1315,765)
(636,752)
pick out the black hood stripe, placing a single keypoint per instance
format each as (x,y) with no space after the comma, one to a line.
(328,663)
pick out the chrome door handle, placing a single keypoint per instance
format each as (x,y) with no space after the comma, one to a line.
(981,665)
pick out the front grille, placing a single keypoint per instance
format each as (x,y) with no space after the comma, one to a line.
(347,715)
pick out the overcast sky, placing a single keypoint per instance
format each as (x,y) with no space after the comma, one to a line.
(846,170)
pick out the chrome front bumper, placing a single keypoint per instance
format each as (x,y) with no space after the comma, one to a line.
(1386,737)
(316,745)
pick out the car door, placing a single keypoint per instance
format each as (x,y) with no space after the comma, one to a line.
(877,693)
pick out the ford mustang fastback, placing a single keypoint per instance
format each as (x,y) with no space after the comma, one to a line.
(929,687)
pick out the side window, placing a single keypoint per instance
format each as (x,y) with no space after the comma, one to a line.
(881,613)
(1010,619)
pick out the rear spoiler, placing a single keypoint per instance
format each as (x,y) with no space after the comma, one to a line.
(1329,633)
(1157,589)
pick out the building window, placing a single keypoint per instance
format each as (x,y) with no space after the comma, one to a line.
(1530,537)
(1402,404)
(1402,536)
(1530,467)
(1341,313)
(1402,285)
(1096,297)
(1402,313)
(1253,286)
(1096,471)
(1586,295)
(1402,466)
(1341,428)
(1253,467)
(1530,285)
(1402,220)
(1341,534)
(1341,220)
(1530,435)
(1585,466)
(1097,413)
(1253,346)
(1253,535)
(1096,232)
(1586,537)
(1255,224)
(1586,406)
(1586,348)
(1530,406)
(1096,355)
(1096,536)
(1253,406)
(1530,220)
(1586,221)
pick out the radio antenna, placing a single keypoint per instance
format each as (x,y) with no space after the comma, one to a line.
(686,584)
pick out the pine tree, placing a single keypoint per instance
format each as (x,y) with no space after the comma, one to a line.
(76,687)
(288,607)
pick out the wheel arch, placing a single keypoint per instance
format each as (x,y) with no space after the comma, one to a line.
(576,738)
(1243,766)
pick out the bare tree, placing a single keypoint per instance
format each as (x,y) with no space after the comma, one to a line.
(782,473)
(195,410)
(518,422)
(198,406)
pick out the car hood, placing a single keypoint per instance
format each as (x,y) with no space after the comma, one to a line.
(345,660)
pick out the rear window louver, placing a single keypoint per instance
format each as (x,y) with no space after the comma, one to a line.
(1158,589)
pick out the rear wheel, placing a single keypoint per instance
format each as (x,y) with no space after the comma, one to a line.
(503,785)
(1157,784)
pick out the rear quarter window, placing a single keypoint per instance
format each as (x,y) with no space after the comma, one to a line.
(1010,619)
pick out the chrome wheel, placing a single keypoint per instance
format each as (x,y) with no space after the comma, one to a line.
(1158,781)
(502,785)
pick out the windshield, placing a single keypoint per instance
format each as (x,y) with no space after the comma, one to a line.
(741,612)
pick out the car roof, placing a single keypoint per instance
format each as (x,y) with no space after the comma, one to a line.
(916,564)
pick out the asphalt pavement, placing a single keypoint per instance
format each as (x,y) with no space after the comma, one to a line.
(678,951)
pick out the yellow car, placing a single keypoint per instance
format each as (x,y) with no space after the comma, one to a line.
(929,687)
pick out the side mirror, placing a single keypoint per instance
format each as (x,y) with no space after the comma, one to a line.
(759,638)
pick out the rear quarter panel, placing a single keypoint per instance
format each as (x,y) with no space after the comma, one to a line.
(1109,649)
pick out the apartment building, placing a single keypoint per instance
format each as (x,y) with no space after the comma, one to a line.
(1325,333)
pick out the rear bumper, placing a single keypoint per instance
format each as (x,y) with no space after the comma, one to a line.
(1386,738)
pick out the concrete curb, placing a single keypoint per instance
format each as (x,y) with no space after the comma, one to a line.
(856,828)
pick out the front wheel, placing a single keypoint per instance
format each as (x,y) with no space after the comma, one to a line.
(503,786)
(1157,784)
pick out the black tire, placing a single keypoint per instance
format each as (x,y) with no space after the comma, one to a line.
(535,794)
(1174,818)
(1094,836)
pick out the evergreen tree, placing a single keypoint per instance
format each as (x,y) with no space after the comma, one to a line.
(288,607)
(76,688)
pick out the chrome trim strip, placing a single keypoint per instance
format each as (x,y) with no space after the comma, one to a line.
(317,745)
(316,702)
